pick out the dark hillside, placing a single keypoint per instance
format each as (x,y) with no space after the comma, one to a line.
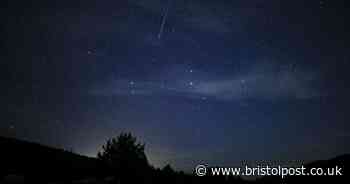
(35,161)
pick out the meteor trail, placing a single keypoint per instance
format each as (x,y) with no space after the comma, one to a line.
(165,15)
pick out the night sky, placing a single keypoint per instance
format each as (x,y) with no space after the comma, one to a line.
(198,81)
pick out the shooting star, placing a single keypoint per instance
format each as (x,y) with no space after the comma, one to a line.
(165,15)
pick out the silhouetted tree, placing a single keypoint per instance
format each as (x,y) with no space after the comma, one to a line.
(168,170)
(126,157)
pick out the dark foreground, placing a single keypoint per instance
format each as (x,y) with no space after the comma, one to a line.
(23,162)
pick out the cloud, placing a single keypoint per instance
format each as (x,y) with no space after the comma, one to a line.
(124,87)
(264,82)
(260,82)
(265,86)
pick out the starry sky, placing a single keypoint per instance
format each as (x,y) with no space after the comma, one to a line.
(199,81)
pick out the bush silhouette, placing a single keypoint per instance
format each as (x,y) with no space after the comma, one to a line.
(126,157)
